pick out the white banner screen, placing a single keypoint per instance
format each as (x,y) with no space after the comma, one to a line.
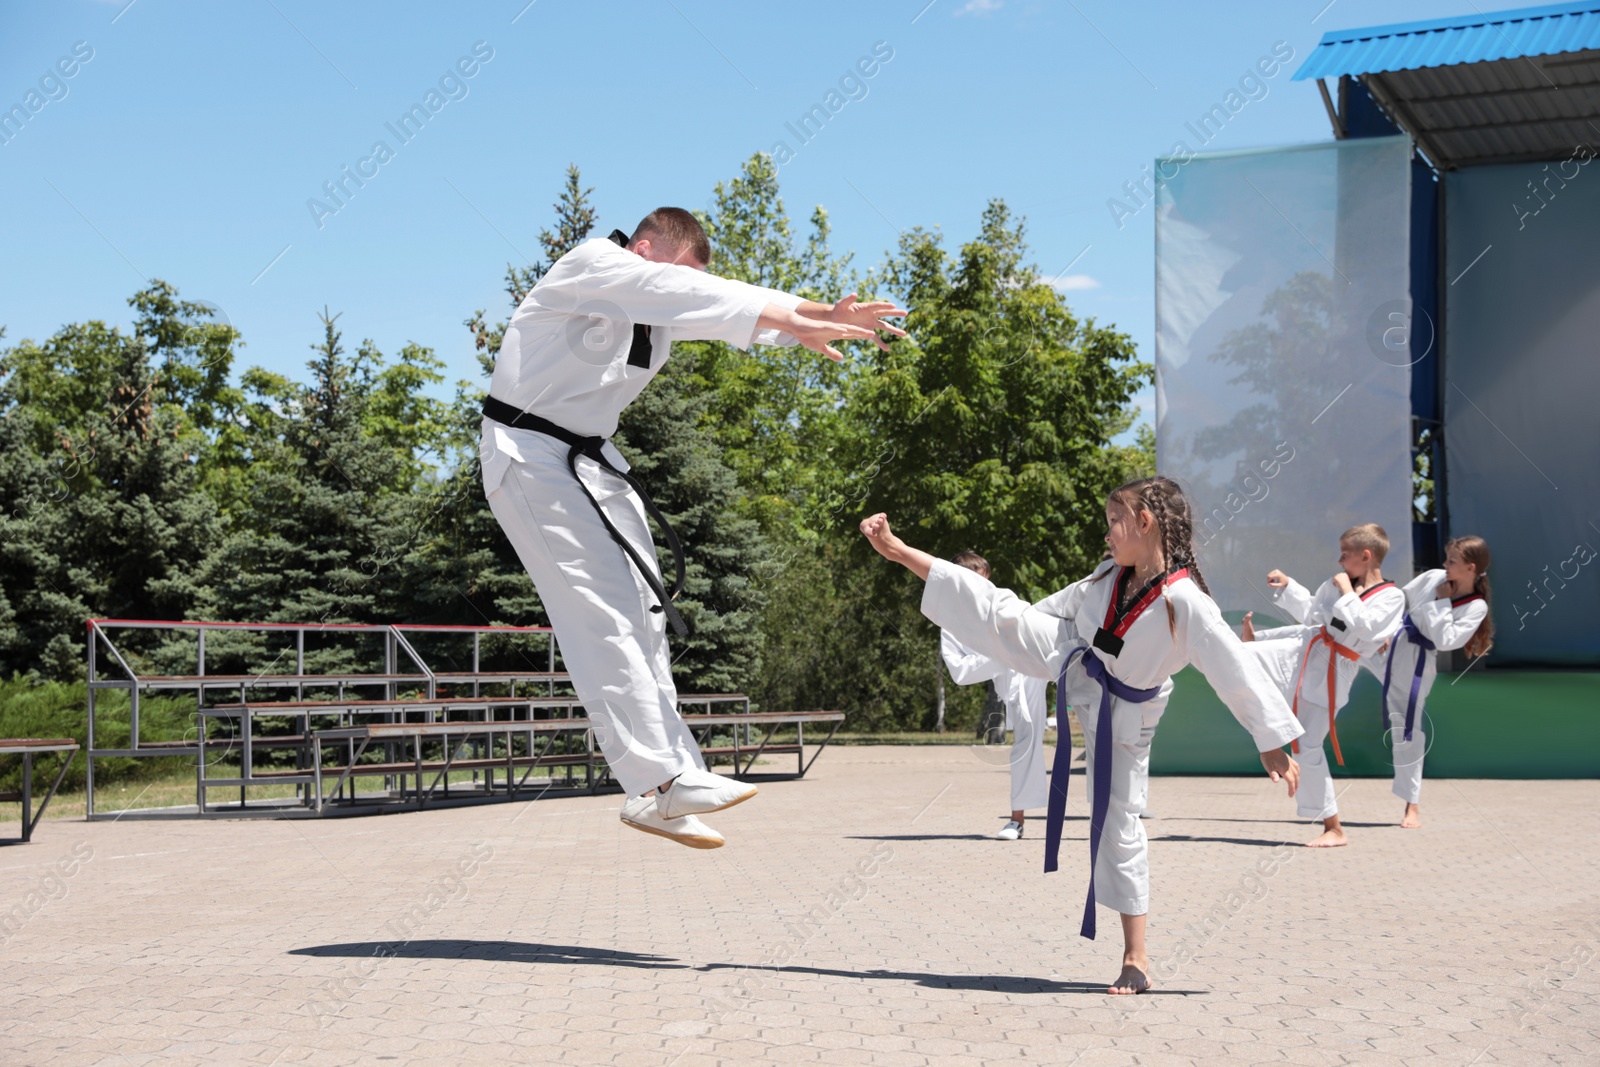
(1283,346)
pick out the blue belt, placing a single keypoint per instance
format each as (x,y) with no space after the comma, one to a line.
(1414,635)
(1061,772)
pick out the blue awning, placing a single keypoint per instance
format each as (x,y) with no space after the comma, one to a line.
(1502,87)
(1531,31)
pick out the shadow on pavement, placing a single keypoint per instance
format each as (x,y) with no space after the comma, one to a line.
(494,952)
(990,983)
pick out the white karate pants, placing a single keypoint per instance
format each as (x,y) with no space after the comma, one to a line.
(1029,787)
(1408,754)
(1315,798)
(612,644)
(1122,870)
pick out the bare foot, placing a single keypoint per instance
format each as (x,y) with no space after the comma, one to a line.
(1413,818)
(1134,979)
(1331,838)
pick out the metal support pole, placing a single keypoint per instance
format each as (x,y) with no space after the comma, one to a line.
(88,781)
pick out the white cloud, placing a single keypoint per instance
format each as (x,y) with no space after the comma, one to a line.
(980,7)
(1066,283)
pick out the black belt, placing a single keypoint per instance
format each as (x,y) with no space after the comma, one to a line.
(501,412)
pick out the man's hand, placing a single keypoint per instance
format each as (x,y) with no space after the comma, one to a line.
(1282,767)
(1248,631)
(871,315)
(814,333)
(1341,582)
(1277,579)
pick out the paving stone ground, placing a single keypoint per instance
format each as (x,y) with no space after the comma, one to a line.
(859,916)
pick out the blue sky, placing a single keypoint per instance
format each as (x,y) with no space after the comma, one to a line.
(188,146)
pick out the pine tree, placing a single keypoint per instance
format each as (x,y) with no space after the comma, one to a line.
(103,510)
(575,217)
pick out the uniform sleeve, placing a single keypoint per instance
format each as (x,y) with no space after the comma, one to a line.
(608,281)
(1367,620)
(995,623)
(1236,675)
(777,338)
(1424,587)
(1449,628)
(966,666)
(1272,633)
(1295,599)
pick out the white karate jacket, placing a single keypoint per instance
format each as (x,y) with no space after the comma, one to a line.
(1036,639)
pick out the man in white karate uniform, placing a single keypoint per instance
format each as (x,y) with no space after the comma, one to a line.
(583,343)
(1024,700)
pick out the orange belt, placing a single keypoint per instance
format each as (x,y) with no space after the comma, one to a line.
(1333,678)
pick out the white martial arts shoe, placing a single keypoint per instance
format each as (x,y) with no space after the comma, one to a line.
(696,792)
(1011,832)
(641,814)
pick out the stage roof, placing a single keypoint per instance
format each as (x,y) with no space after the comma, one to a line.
(1483,88)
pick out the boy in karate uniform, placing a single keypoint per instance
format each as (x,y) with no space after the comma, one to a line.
(1314,662)
(1024,700)
(584,342)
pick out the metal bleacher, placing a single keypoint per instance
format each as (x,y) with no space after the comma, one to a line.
(350,740)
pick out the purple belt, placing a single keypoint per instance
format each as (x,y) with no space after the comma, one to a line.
(1414,635)
(1061,772)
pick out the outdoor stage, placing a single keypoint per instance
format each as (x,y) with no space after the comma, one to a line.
(857,916)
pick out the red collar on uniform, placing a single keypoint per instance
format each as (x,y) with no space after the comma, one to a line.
(1375,589)
(1108,638)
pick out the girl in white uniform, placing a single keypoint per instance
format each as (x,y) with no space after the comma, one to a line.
(1114,653)
(1445,610)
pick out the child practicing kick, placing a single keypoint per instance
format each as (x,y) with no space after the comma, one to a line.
(1024,700)
(1315,662)
(1445,610)
(1113,653)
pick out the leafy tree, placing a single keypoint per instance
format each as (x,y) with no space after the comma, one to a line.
(990,427)
(776,410)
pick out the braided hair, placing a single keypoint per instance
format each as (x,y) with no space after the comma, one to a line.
(1174,519)
(1475,550)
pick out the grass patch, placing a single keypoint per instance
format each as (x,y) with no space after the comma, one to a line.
(928,737)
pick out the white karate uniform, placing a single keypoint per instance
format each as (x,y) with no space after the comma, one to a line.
(565,359)
(1037,639)
(1360,622)
(1449,624)
(1025,716)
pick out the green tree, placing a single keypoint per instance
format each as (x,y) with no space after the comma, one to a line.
(101,508)
(990,427)
(681,464)
(575,217)
(327,498)
(774,410)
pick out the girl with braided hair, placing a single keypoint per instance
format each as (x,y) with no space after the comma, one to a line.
(1446,609)
(1113,659)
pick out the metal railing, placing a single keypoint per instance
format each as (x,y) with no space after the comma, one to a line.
(397,647)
